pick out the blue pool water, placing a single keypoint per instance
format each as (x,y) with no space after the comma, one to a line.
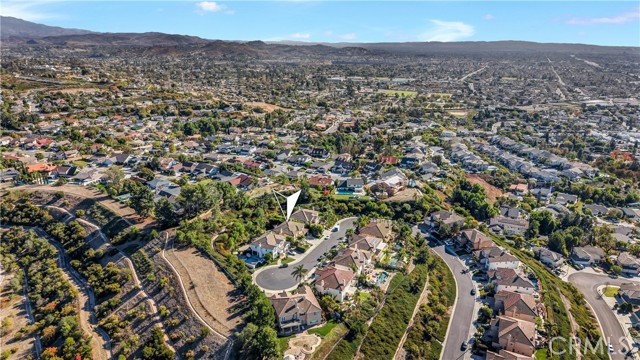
(344,192)
(382,277)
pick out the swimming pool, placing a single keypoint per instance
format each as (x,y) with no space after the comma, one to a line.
(382,277)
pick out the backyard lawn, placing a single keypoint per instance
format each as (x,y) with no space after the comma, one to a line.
(323,330)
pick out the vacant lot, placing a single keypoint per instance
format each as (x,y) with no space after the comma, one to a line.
(492,192)
(12,309)
(211,293)
(264,106)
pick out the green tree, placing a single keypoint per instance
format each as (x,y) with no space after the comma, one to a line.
(259,342)
(165,212)
(299,272)
(142,200)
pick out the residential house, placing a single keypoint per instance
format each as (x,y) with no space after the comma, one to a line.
(542,194)
(515,305)
(505,355)
(444,218)
(565,199)
(630,292)
(518,336)
(291,228)
(336,281)
(597,209)
(519,189)
(372,244)
(509,226)
(297,310)
(353,258)
(269,243)
(473,239)
(320,181)
(306,216)
(629,264)
(378,228)
(510,280)
(549,258)
(86,178)
(351,186)
(586,255)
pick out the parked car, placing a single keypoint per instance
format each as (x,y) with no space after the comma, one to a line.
(463,346)
(473,292)
(284,265)
(610,347)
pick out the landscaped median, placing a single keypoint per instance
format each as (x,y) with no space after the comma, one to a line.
(558,323)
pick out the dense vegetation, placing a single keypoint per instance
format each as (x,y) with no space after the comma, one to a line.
(431,323)
(53,298)
(390,324)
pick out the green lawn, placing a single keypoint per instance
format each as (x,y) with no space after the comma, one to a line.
(329,341)
(541,354)
(287,260)
(284,342)
(402,93)
(80,163)
(342,196)
(611,291)
(323,330)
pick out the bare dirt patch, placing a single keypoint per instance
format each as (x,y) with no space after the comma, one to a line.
(303,343)
(213,296)
(492,192)
(406,195)
(264,106)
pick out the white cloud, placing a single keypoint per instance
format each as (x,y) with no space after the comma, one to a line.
(623,18)
(488,17)
(210,6)
(26,10)
(447,31)
(349,36)
(300,36)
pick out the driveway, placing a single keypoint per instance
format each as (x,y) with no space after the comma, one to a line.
(588,284)
(274,278)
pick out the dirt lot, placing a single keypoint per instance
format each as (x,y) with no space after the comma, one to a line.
(492,192)
(406,196)
(210,291)
(264,106)
(11,308)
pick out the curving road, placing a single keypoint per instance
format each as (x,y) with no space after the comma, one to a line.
(274,278)
(464,308)
(588,284)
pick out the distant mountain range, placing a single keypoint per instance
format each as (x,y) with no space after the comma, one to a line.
(14,27)
(20,32)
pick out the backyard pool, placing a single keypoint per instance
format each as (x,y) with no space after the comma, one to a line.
(382,277)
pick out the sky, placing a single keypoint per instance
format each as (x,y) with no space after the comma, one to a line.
(615,23)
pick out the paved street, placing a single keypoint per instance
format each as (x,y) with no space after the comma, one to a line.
(463,316)
(588,284)
(274,278)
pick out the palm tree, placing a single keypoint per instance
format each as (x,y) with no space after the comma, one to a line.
(299,272)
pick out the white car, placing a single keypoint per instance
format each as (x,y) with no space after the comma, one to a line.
(610,347)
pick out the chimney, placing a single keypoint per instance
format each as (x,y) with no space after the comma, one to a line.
(344,282)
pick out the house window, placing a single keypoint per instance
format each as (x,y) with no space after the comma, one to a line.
(284,318)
